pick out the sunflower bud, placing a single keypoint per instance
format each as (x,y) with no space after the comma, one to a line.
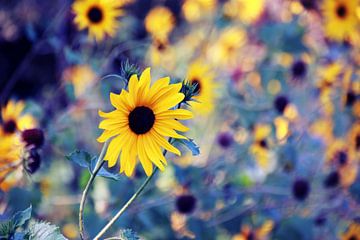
(33,137)
(190,90)
(33,161)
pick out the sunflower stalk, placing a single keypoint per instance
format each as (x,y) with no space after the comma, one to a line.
(99,164)
(133,197)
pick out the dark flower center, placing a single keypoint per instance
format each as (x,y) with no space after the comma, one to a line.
(308,4)
(357,142)
(341,11)
(280,103)
(263,143)
(141,120)
(301,189)
(298,69)
(186,204)
(350,98)
(95,14)
(195,82)
(342,157)
(353,238)
(9,126)
(332,180)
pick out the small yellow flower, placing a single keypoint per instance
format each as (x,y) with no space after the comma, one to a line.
(200,73)
(244,10)
(142,120)
(82,77)
(225,50)
(340,19)
(98,16)
(195,9)
(159,23)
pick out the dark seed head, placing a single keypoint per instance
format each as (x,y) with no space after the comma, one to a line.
(350,98)
(95,14)
(225,139)
(280,103)
(332,180)
(320,220)
(9,126)
(33,137)
(32,163)
(353,237)
(186,204)
(341,11)
(308,4)
(357,142)
(141,120)
(301,189)
(342,157)
(263,143)
(299,69)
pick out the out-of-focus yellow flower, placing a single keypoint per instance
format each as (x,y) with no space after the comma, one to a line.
(160,22)
(200,73)
(98,16)
(161,54)
(282,128)
(338,153)
(14,119)
(226,49)
(322,128)
(260,233)
(194,10)
(353,232)
(70,231)
(328,74)
(340,19)
(82,77)
(11,150)
(142,120)
(260,148)
(244,10)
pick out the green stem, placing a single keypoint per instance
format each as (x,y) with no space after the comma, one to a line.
(97,168)
(127,204)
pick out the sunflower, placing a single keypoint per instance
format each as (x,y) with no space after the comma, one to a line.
(13,119)
(98,16)
(143,118)
(200,74)
(353,232)
(162,54)
(340,19)
(160,22)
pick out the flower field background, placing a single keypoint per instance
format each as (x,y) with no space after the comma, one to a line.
(180,119)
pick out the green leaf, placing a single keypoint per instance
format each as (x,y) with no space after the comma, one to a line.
(80,157)
(191,145)
(6,229)
(84,159)
(44,230)
(20,218)
(128,234)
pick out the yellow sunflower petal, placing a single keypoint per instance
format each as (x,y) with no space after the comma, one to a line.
(182,114)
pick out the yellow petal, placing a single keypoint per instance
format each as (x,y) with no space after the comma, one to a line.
(168,132)
(177,113)
(165,144)
(145,162)
(168,103)
(151,152)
